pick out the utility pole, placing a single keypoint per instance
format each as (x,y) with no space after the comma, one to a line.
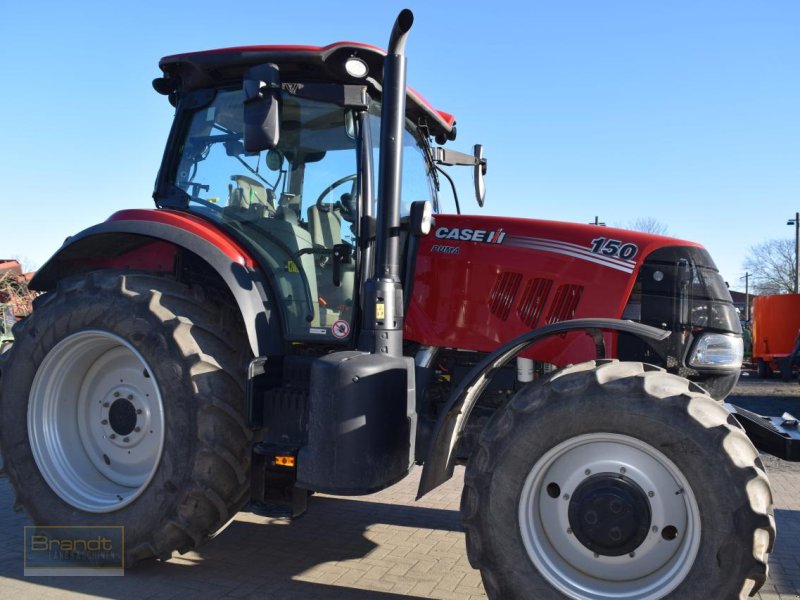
(746,296)
(597,222)
(796,223)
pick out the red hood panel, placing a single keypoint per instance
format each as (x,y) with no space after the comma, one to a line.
(481,281)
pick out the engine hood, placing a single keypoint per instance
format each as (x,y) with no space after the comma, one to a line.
(481,281)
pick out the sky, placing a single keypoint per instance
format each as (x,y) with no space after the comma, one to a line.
(684,112)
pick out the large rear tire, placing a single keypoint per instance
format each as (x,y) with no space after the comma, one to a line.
(121,403)
(618,480)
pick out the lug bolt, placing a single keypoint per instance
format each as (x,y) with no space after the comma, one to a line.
(651,493)
(138,411)
(116,394)
(596,555)
(126,439)
(113,436)
(104,422)
(623,470)
(137,429)
(569,531)
(655,529)
(106,405)
(566,496)
(130,396)
(632,554)
(587,472)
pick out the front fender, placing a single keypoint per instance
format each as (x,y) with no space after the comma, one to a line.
(112,243)
(439,462)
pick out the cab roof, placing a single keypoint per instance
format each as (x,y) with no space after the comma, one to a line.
(212,68)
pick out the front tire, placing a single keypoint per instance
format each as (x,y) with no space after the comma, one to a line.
(122,403)
(618,480)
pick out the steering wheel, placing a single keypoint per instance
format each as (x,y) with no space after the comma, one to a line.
(326,207)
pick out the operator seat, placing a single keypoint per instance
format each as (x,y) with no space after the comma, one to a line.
(247,194)
(325,227)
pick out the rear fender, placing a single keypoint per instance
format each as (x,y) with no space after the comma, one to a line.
(439,462)
(153,246)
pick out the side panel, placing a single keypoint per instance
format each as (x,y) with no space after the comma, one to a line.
(481,281)
(148,240)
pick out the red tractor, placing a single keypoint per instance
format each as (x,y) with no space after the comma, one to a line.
(298,315)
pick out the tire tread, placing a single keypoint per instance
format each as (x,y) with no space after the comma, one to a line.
(622,377)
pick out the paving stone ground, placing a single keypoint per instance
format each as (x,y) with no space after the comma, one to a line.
(380,547)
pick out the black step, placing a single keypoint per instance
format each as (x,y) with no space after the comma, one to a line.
(779,436)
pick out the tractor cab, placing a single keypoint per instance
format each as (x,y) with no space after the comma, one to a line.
(291,173)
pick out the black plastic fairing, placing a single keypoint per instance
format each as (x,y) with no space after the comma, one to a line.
(361,423)
(671,272)
(680,289)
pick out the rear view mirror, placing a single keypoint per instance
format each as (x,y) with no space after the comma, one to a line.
(262,85)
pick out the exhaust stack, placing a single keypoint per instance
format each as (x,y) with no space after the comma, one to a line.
(382,332)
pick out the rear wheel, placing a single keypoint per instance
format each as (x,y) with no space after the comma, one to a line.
(763,370)
(785,368)
(617,480)
(125,407)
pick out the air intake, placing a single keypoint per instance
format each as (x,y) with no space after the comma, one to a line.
(501,298)
(565,303)
(533,299)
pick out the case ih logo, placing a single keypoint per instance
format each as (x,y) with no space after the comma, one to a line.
(470,235)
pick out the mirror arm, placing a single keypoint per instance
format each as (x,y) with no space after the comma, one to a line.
(445,156)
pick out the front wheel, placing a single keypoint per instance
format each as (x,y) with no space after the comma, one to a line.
(617,480)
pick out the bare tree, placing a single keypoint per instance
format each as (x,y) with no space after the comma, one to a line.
(771,266)
(647,225)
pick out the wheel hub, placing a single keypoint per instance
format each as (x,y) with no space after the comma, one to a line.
(610,514)
(122,416)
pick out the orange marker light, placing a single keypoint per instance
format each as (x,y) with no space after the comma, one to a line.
(285,461)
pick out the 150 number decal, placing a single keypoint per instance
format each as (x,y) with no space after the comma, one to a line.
(609,247)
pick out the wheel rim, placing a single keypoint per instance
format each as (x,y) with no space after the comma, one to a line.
(96,421)
(595,467)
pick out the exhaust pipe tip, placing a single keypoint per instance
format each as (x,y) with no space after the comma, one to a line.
(402,25)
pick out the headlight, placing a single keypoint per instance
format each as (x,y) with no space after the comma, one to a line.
(717,351)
